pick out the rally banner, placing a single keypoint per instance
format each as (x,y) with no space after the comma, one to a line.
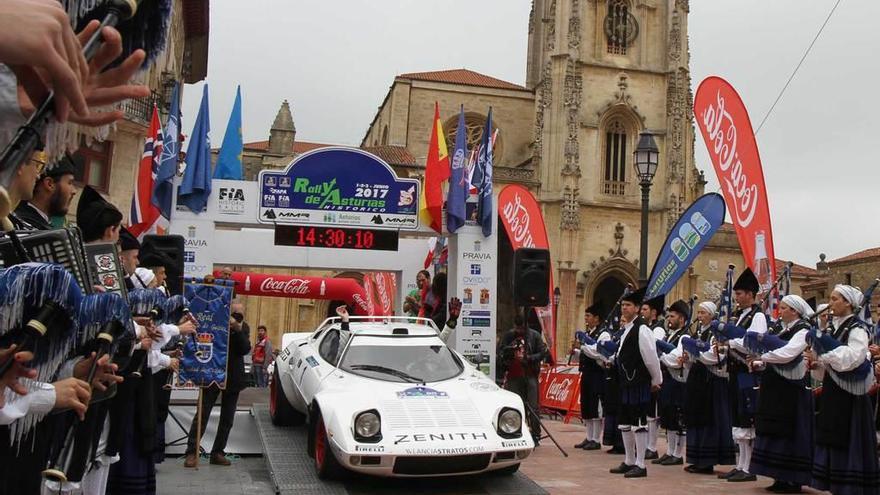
(685,241)
(524,224)
(727,132)
(302,287)
(205,355)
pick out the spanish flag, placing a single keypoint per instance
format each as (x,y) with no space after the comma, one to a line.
(436,171)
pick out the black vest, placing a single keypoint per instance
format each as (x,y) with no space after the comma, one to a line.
(834,420)
(632,367)
(676,336)
(587,364)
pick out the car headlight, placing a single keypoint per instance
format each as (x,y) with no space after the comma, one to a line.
(367,425)
(509,422)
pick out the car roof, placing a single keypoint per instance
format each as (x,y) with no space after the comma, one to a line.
(391,329)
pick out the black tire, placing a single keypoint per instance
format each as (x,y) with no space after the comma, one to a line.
(280,409)
(326,465)
(507,471)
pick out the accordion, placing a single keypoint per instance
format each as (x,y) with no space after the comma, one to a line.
(60,246)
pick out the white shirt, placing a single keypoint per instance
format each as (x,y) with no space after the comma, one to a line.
(39,401)
(850,356)
(592,351)
(759,325)
(648,350)
(790,351)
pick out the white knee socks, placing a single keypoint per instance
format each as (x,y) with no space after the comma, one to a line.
(596,430)
(629,446)
(679,448)
(672,443)
(745,454)
(653,433)
(641,435)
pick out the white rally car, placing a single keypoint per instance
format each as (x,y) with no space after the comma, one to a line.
(393,400)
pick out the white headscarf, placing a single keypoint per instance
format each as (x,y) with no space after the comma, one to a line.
(851,294)
(798,304)
(142,278)
(709,307)
(821,307)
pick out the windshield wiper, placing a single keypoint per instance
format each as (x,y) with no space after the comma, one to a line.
(387,371)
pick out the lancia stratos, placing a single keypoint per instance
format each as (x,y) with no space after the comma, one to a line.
(389,398)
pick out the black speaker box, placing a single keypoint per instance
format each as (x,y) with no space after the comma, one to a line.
(531,277)
(171,246)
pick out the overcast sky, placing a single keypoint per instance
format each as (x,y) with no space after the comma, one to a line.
(335,59)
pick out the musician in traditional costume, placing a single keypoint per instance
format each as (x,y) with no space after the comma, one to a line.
(98,219)
(129,249)
(640,375)
(652,311)
(784,418)
(52,194)
(671,399)
(707,412)
(592,368)
(744,381)
(845,455)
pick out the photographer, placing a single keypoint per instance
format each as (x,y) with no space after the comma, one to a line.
(521,351)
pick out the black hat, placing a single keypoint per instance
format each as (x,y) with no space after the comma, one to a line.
(635,296)
(657,303)
(595,310)
(681,308)
(127,241)
(747,281)
(94,214)
(68,164)
(154,259)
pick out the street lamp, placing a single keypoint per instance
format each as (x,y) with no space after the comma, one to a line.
(557,295)
(645,158)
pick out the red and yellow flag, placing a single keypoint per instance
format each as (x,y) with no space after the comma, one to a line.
(436,171)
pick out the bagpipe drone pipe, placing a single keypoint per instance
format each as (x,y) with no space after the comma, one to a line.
(177,311)
(105,327)
(857,381)
(142,24)
(144,303)
(38,305)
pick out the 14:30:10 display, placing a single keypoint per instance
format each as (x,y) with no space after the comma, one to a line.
(340,238)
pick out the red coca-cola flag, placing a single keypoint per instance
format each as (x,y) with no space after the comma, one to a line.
(524,224)
(302,287)
(385,285)
(727,132)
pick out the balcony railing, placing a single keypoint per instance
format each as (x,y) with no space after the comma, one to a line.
(614,188)
(140,110)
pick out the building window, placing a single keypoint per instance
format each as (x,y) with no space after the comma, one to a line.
(385,136)
(621,27)
(614,180)
(847,277)
(474,125)
(96,161)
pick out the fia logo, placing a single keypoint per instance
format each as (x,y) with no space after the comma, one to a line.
(231,193)
(476,269)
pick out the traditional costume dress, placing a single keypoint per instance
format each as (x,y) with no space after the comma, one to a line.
(784,418)
(592,368)
(656,326)
(672,395)
(707,411)
(845,456)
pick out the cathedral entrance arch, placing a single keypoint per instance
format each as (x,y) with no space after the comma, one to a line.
(606,283)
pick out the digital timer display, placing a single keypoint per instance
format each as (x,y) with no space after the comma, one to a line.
(332,237)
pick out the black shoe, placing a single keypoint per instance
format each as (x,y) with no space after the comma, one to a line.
(776,486)
(636,472)
(616,450)
(622,469)
(661,459)
(581,444)
(742,476)
(592,446)
(650,454)
(790,488)
(728,474)
(700,469)
(674,461)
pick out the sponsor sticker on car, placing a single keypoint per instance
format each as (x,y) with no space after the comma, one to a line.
(422,392)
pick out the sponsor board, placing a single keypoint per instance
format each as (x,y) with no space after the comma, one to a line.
(405,438)
(444,450)
(376,449)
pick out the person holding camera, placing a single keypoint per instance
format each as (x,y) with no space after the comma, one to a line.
(522,350)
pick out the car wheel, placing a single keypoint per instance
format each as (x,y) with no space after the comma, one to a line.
(509,470)
(326,465)
(280,409)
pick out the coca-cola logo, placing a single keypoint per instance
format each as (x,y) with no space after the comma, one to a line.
(367,308)
(722,132)
(383,292)
(295,286)
(518,220)
(559,389)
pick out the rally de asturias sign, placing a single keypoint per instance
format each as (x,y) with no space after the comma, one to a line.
(727,132)
(205,355)
(339,186)
(685,241)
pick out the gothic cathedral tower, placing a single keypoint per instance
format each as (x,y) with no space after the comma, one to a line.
(603,71)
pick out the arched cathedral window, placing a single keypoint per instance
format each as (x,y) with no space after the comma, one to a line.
(616,158)
(474,124)
(620,26)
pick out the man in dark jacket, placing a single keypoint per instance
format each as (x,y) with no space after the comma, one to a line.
(521,351)
(239,347)
(52,194)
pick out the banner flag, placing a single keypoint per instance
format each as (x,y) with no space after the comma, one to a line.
(685,241)
(205,355)
(436,171)
(456,197)
(145,217)
(521,216)
(727,132)
(229,159)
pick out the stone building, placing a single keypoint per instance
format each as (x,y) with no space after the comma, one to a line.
(859,269)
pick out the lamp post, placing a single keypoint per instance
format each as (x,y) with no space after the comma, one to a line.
(557,295)
(645,158)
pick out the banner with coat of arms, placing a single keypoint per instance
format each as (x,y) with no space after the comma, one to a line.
(205,354)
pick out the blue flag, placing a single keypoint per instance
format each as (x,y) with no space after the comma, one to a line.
(484,166)
(458,186)
(229,160)
(163,189)
(195,188)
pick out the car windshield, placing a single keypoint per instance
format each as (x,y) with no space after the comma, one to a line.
(401,363)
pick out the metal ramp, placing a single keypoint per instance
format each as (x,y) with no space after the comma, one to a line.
(290,468)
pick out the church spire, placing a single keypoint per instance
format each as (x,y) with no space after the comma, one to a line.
(283,132)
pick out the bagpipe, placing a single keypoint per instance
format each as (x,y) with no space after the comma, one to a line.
(177,310)
(857,381)
(762,343)
(145,303)
(612,319)
(105,325)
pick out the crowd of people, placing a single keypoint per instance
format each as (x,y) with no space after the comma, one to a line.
(793,399)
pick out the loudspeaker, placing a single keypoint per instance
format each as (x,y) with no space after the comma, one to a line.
(171,246)
(531,277)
